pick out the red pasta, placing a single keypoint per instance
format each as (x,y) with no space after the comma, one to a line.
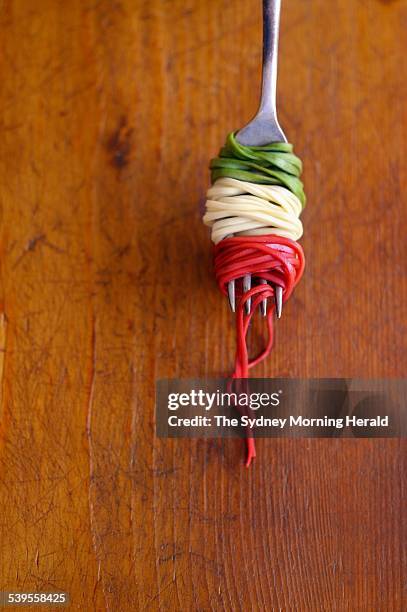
(274,258)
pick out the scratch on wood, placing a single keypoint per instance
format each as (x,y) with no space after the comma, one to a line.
(32,244)
(92,519)
(159,593)
(3,332)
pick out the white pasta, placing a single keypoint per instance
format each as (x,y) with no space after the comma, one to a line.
(248,209)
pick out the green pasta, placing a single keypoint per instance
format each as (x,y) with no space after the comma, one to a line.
(272,164)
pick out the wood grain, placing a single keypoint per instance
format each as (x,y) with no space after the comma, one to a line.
(110,111)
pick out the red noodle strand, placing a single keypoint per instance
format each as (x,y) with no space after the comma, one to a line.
(274,258)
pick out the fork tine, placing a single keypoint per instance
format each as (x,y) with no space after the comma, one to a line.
(231,295)
(231,288)
(263,281)
(278,297)
(247,285)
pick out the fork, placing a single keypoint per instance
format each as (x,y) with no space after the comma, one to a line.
(264,128)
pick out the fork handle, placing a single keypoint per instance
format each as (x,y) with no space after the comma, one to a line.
(271,25)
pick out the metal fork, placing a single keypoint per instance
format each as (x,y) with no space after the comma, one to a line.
(264,128)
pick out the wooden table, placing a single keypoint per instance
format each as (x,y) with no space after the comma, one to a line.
(110,112)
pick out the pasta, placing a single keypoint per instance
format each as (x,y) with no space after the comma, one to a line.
(255,191)
(253,209)
(248,209)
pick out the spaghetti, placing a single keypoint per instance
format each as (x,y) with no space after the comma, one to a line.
(253,209)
